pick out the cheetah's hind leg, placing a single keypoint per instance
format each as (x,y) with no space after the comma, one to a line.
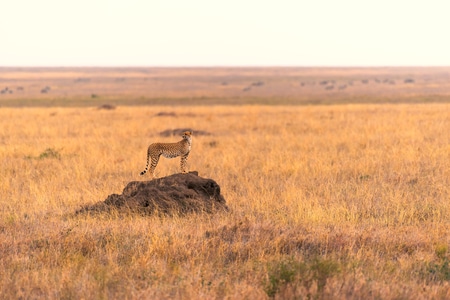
(183,163)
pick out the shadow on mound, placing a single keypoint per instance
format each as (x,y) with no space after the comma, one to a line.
(175,194)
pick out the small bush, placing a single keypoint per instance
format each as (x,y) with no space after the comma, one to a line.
(438,270)
(316,270)
(282,273)
(441,251)
(321,270)
(50,153)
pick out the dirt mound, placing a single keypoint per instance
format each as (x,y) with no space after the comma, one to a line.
(166,114)
(106,106)
(175,194)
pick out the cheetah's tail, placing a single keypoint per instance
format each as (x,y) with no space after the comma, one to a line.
(146,167)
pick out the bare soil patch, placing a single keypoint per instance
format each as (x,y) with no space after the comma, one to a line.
(107,107)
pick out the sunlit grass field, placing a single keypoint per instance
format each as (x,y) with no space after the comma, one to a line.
(326,202)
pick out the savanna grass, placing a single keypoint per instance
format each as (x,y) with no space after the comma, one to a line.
(325,202)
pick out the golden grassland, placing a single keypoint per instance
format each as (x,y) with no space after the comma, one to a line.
(327,202)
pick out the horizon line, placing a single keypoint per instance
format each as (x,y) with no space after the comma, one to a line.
(222,66)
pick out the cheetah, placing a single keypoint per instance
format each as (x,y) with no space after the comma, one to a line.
(169,150)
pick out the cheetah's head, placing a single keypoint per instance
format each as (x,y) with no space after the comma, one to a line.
(187,135)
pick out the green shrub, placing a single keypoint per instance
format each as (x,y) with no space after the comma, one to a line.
(316,270)
(50,153)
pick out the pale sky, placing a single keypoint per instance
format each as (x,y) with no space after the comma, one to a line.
(224,33)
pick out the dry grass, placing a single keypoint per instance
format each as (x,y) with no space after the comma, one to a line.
(326,202)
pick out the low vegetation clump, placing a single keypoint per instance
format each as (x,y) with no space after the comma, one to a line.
(324,202)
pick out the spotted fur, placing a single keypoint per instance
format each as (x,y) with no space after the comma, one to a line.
(169,150)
